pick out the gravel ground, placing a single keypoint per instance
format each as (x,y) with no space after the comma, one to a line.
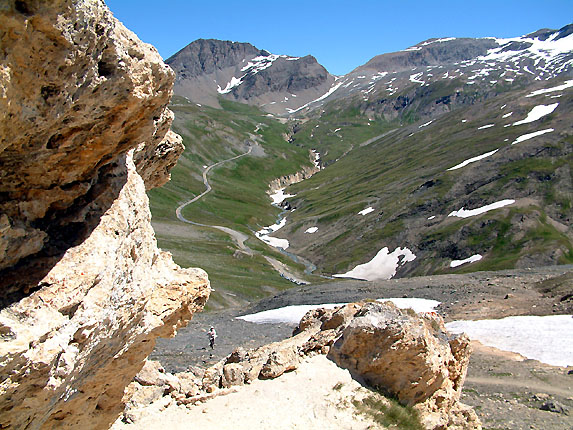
(506,390)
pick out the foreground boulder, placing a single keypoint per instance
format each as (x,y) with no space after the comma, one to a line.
(406,355)
(410,357)
(84,289)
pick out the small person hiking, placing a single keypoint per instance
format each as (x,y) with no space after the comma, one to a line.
(212,336)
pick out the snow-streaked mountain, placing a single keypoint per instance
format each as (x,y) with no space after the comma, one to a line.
(487,62)
(209,69)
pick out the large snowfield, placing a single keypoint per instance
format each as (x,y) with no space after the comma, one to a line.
(293,314)
(548,339)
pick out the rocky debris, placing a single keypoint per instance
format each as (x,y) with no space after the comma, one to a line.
(85,290)
(401,353)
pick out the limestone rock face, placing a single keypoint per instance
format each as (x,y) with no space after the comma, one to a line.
(84,289)
(76,89)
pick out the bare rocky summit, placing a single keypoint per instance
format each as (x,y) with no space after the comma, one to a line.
(208,70)
(85,290)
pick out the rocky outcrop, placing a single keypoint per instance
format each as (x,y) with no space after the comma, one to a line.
(284,181)
(84,289)
(406,355)
(414,359)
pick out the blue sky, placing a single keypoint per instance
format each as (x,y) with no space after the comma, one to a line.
(340,34)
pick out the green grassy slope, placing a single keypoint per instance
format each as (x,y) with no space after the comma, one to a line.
(404,177)
(239,198)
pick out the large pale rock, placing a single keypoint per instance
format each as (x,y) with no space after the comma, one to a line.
(411,357)
(76,89)
(84,287)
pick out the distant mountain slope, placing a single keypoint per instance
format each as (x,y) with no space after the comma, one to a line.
(458,152)
(209,69)
(453,155)
(488,63)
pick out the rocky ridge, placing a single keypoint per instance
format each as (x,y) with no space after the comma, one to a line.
(487,63)
(85,290)
(372,340)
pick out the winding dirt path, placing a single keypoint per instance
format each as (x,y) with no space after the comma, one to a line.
(239,237)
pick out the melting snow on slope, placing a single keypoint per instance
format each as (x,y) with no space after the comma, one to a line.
(567,84)
(472,259)
(294,313)
(426,124)
(507,115)
(531,135)
(537,112)
(382,266)
(416,78)
(329,92)
(311,230)
(463,213)
(485,126)
(253,67)
(472,160)
(548,339)
(549,50)
(264,233)
(366,211)
(235,82)
(279,196)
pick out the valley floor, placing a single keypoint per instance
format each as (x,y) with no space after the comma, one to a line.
(506,390)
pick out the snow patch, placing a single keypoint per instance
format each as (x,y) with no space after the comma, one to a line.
(548,339)
(416,78)
(472,160)
(531,135)
(537,112)
(311,230)
(234,82)
(264,233)
(472,259)
(567,84)
(486,126)
(329,92)
(463,213)
(507,115)
(426,124)
(279,196)
(366,211)
(382,266)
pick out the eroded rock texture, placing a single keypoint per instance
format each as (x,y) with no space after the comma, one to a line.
(84,289)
